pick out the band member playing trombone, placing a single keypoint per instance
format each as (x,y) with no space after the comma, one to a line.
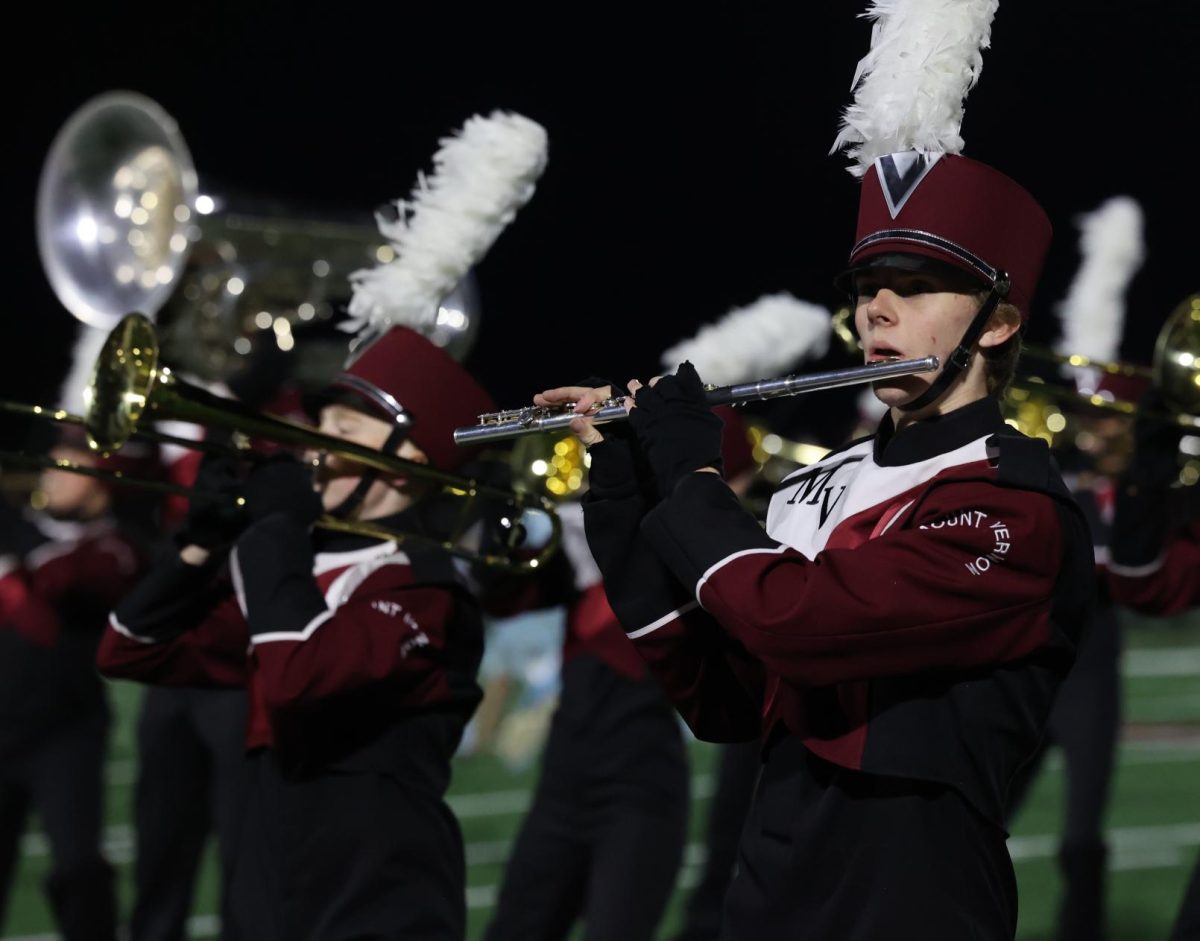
(359,655)
(1156,555)
(604,837)
(61,569)
(1156,527)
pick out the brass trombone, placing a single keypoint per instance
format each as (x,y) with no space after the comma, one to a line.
(1051,412)
(1174,371)
(129,386)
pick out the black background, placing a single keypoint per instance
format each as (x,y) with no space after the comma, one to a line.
(689,169)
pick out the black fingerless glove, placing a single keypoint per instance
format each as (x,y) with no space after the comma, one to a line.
(214,517)
(283,485)
(1155,461)
(676,427)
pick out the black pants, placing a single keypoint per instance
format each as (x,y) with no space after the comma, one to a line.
(191,779)
(1084,724)
(346,855)
(605,835)
(829,853)
(1187,922)
(61,777)
(737,772)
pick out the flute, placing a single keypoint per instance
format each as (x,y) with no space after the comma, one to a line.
(512,423)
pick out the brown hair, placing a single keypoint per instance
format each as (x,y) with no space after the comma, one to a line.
(1001,361)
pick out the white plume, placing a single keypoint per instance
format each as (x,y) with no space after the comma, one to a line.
(481,177)
(759,341)
(88,342)
(1093,312)
(925,57)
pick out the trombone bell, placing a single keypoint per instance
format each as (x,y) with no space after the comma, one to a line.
(1177,357)
(122,379)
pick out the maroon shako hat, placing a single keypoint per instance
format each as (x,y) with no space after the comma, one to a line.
(406,379)
(952,210)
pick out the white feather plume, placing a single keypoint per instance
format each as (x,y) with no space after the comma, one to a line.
(88,343)
(758,341)
(1112,249)
(925,57)
(482,176)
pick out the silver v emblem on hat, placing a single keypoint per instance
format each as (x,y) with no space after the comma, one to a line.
(901,174)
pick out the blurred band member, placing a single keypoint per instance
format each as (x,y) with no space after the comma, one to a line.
(359,655)
(61,570)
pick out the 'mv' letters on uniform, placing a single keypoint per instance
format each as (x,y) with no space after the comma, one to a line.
(815,488)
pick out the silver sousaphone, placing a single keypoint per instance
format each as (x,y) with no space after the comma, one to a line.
(124,224)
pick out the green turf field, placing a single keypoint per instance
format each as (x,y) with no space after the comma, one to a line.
(1154,816)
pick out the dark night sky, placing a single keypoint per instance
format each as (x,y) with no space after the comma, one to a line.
(688,164)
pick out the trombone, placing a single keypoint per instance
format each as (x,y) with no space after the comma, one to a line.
(1174,371)
(129,386)
(1043,410)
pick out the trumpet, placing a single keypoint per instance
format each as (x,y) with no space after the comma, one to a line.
(498,426)
(129,386)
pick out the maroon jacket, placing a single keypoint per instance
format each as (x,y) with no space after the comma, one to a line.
(360,658)
(336,645)
(1169,584)
(1154,559)
(909,610)
(592,628)
(57,582)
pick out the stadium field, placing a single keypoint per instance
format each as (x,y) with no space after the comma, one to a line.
(1153,821)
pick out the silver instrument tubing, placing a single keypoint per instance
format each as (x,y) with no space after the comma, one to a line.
(498,426)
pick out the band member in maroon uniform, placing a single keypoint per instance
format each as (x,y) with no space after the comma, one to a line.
(1155,555)
(359,656)
(604,838)
(1085,721)
(61,570)
(1155,551)
(898,632)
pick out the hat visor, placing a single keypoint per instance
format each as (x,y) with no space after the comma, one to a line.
(957,277)
(352,396)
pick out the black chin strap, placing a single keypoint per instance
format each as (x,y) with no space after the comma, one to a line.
(960,359)
(369,476)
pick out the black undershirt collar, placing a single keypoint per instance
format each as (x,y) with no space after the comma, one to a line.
(930,437)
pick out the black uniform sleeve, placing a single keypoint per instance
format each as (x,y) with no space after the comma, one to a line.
(716,686)
(179,626)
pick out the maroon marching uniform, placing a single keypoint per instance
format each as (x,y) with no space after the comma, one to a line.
(1155,548)
(902,597)
(359,686)
(898,632)
(1165,584)
(1153,566)
(359,658)
(605,835)
(57,580)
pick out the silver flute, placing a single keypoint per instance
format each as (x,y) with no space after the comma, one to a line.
(498,426)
